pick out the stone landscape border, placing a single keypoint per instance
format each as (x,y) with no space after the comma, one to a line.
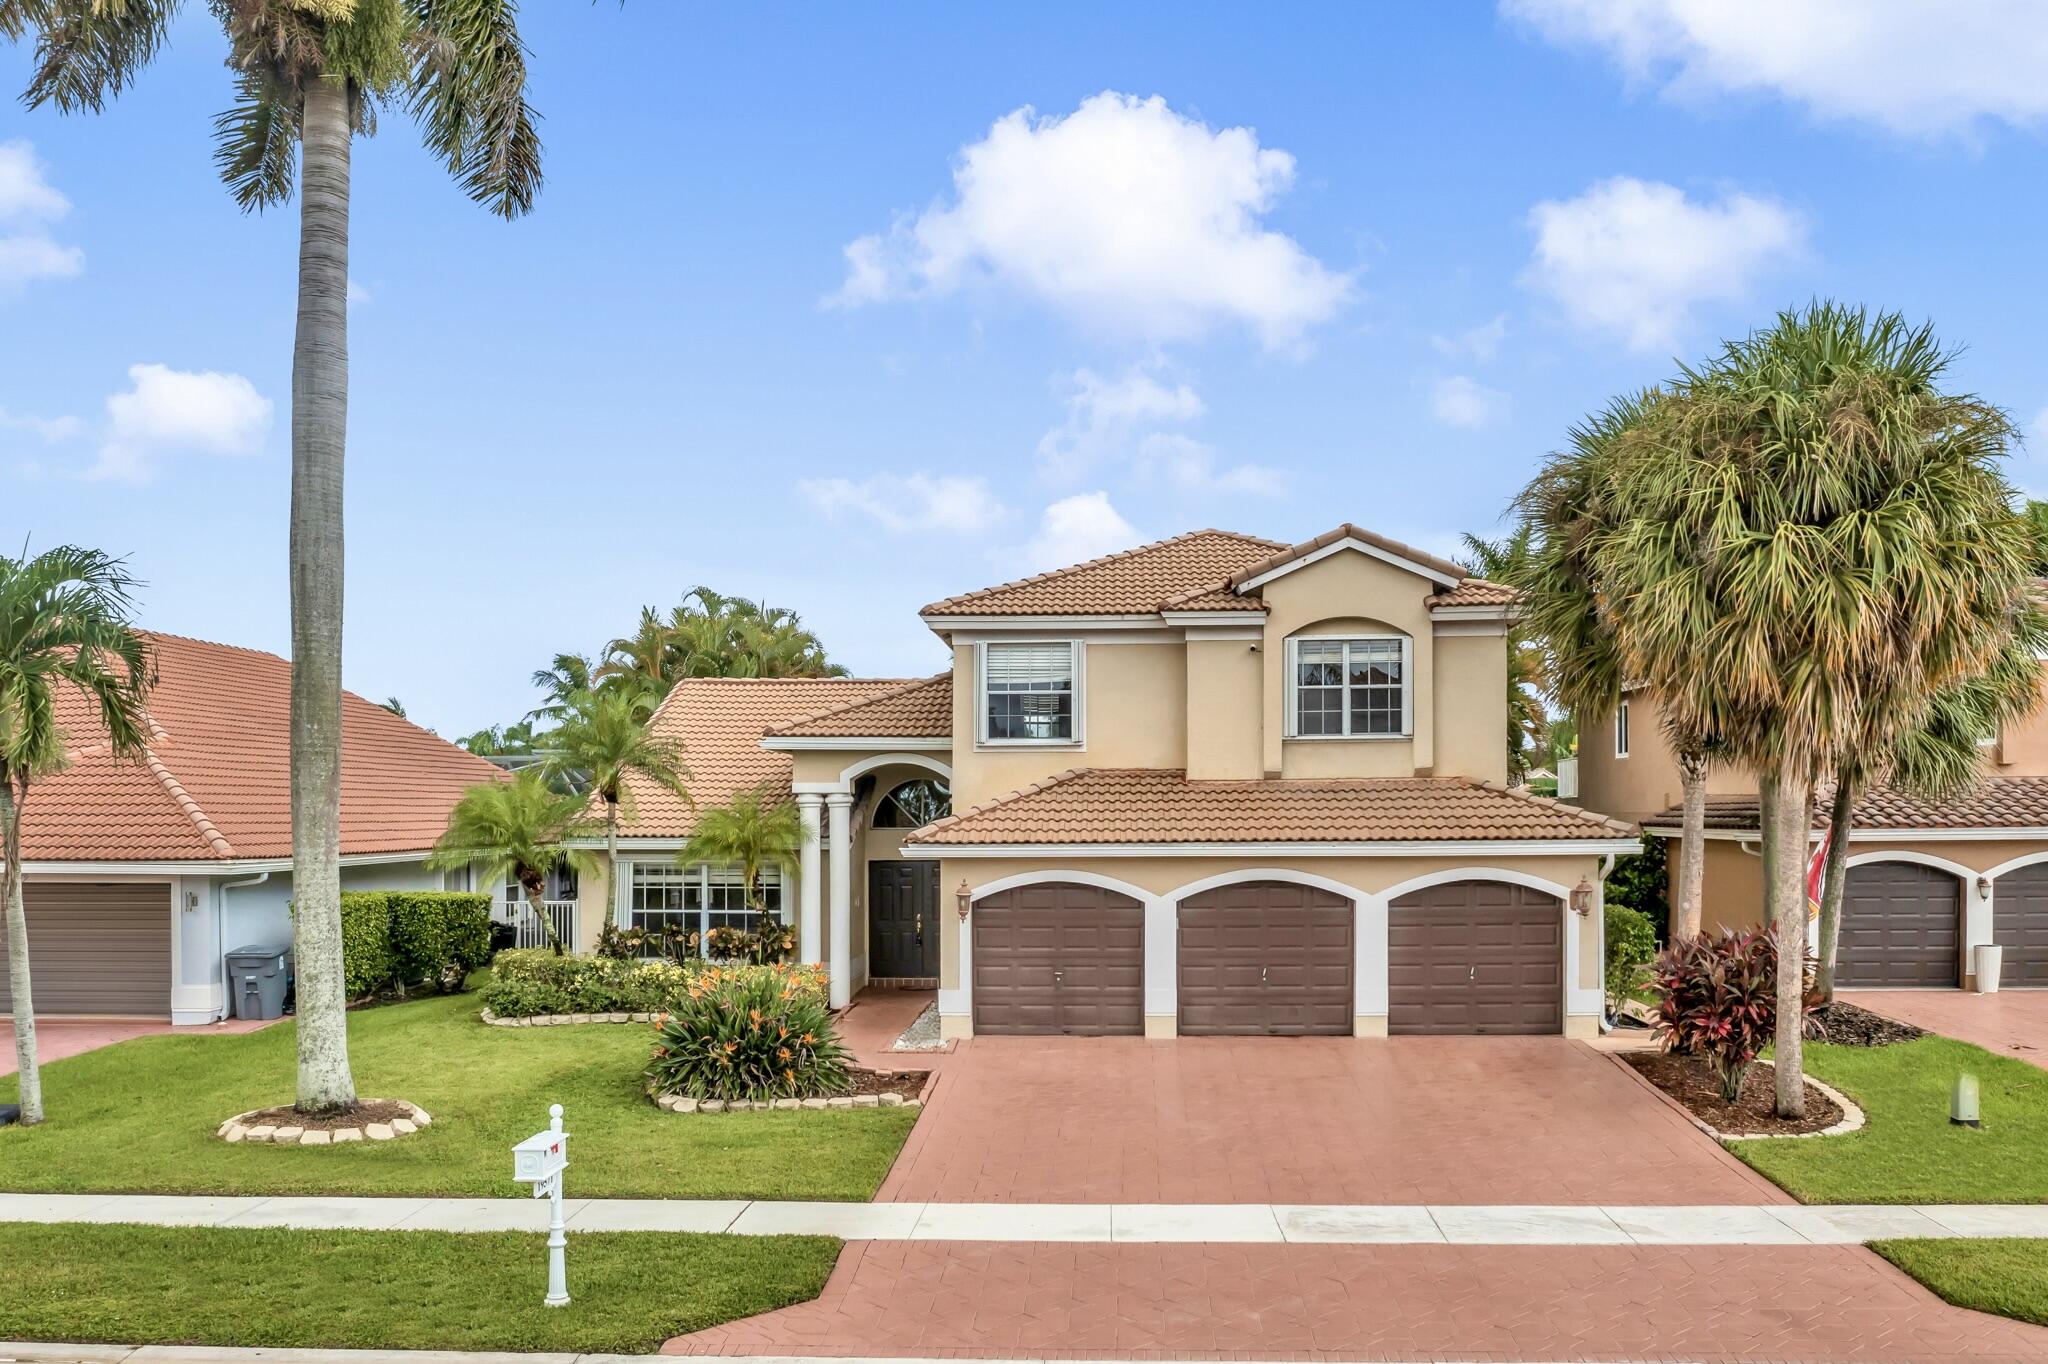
(243,1128)
(683,1103)
(557,1020)
(1852,1118)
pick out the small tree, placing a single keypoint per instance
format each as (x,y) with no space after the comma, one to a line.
(601,745)
(1718,999)
(516,830)
(754,833)
(64,627)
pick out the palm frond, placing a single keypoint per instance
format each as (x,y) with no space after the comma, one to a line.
(468,88)
(86,53)
(256,143)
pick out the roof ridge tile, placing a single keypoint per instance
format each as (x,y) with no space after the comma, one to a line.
(944,604)
(214,838)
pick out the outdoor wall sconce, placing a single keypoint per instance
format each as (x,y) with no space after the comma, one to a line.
(963,899)
(1582,897)
(1983,887)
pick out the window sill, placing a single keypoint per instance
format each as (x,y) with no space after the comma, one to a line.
(1349,739)
(983,745)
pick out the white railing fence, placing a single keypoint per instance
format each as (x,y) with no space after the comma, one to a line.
(561,916)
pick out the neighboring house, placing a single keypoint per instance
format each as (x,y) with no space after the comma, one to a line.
(1928,883)
(1215,784)
(140,874)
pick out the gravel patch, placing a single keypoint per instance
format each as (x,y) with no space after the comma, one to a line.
(922,1034)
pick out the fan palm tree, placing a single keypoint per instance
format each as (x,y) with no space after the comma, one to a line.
(64,628)
(754,832)
(1817,543)
(600,747)
(309,75)
(517,831)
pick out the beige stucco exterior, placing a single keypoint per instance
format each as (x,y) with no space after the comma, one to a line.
(1645,782)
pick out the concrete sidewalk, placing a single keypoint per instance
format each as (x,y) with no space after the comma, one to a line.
(1127,1223)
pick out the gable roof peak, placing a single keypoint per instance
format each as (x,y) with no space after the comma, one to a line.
(1136,581)
(1431,565)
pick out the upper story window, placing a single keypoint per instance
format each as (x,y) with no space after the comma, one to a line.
(1350,688)
(1030,693)
(1621,728)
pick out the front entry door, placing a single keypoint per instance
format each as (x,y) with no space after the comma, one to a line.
(903,919)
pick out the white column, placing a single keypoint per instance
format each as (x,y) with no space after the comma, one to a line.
(809,901)
(839,814)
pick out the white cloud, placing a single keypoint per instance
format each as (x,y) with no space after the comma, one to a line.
(1915,67)
(1075,529)
(1117,420)
(1191,467)
(50,430)
(1635,257)
(1460,400)
(168,411)
(910,502)
(1123,214)
(28,203)
(1474,343)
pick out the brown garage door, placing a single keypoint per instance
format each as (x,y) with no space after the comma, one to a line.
(1266,958)
(1475,957)
(2019,924)
(97,949)
(1059,958)
(1901,925)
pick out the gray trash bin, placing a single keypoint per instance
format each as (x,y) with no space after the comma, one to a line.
(257,977)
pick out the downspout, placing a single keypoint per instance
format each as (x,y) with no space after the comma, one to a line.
(1606,1018)
(220,934)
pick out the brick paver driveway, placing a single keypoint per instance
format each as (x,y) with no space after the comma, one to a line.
(2014,1022)
(1305,1120)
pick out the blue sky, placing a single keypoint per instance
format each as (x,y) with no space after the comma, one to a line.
(1267,270)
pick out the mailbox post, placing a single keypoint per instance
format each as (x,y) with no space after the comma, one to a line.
(539,1161)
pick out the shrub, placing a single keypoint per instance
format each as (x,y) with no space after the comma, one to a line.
(1718,999)
(1641,881)
(748,1034)
(1631,946)
(533,980)
(391,939)
(776,941)
(367,961)
(637,944)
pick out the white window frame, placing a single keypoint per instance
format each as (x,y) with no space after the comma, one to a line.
(1621,728)
(1080,657)
(1292,689)
(698,873)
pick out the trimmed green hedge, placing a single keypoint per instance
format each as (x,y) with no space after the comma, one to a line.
(529,981)
(396,938)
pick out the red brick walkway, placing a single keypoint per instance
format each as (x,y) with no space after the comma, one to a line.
(57,1038)
(1305,1120)
(876,1019)
(1371,1302)
(2014,1022)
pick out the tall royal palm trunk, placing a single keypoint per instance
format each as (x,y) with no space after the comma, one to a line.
(1692,846)
(319,437)
(31,1090)
(1835,874)
(1787,810)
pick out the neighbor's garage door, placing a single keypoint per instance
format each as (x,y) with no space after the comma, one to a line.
(1266,957)
(1475,957)
(97,949)
(1059,958)
(1901,925)
(2019,924)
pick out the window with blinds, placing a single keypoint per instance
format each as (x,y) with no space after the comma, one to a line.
(1028,692)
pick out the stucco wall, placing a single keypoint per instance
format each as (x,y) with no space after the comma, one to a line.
(1646,781)
(1225,681)
(1471,706)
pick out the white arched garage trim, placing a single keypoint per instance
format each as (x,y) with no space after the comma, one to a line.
(1976,906)
(1577,999)
(1162,940)
(960,1002)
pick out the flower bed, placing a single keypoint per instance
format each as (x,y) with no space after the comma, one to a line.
(1754,1114)
(865,1089)
(369,1120)
(535,983)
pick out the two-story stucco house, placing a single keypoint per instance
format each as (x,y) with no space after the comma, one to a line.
(1928,883)
(1214,784)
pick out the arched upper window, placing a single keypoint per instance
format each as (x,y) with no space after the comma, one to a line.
(914,803)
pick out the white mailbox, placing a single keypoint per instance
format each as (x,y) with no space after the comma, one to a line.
(540,1158)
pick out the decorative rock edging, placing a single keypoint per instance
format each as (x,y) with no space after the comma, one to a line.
(682,1103)
(242,1127)
(556,1020)
(1852,1118)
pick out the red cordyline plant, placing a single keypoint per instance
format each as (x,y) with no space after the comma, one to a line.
(1718,1000)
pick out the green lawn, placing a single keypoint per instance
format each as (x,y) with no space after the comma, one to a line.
(2009,1277)
(140,1117)
(216,1286)
(1908,1152)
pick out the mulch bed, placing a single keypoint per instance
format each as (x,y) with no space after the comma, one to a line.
(909,1083)
(366,1111)
(1688,1080)
(1848,1026)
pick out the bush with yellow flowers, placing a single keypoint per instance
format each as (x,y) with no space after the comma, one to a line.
(752,1033)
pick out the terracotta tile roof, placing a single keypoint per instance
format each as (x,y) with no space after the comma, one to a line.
(720,722)
(1475,592)
(216,781)
(1131,805)
(918,710)
(1215,597)
(1994,803)
(1347,531)
(1135,582)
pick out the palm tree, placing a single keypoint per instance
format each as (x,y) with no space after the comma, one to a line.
(1817,542)
(753,832)
(64,629)
(638,664)
(309,76)
(564,679)
(517,831)
(1503,561)
(600,747)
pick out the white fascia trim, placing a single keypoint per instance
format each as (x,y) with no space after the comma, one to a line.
(1253,618)
(842,743)
(1949,835)
(1499,613)
(1148,621)
(1561,847)
(199,867)
(1459,628)
(1371,551)
(1200,634)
